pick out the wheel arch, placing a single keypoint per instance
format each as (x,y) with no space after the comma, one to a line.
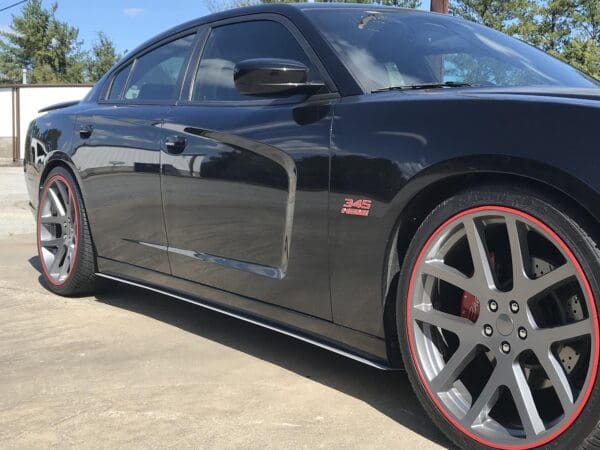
(434,185)
(56,159)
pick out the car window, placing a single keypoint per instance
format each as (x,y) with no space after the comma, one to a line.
(231,44)
(118,83)
(480,70)
(399,49)
(156,73)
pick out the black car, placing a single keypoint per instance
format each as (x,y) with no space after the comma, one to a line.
(407,189)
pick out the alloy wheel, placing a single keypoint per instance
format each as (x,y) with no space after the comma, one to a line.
(57,230)
(502,327)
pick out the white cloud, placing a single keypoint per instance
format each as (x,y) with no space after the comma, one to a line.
(133,12)
(5,28)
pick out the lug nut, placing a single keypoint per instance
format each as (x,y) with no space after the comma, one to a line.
(514,307)
(488,330)
(522,333)
(505,347)
(493,305)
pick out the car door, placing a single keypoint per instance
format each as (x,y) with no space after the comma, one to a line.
(245,179)
(118,155)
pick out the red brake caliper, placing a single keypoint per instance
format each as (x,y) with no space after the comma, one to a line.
(469,304)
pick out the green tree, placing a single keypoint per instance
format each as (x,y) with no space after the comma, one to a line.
(583,51)
(103,57)
(503,15)
(549,26)
(48,48)
(567,29)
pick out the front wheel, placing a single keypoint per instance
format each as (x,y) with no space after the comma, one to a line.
(498,325)
(64,242)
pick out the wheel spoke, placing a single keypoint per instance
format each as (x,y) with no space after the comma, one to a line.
(58,256)
(454,367)
(458,325)
(52,219)
(486,400)
(519,251)
(479,253)
(57,242)
(521,393)
(64,193)
(54,197)
(548,282)
(450,275)
(573,330)
(558,378)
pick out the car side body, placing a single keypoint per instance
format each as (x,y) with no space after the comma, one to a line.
(297,215)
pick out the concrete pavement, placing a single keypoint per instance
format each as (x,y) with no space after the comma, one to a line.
(131,368)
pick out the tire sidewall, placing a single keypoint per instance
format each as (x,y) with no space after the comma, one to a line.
(548,212)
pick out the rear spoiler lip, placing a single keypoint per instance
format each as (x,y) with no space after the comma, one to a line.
(59,106)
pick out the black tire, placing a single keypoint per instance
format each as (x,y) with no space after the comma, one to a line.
(584,430)
(80,279)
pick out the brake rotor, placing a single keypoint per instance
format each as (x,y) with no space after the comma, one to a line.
(573,312)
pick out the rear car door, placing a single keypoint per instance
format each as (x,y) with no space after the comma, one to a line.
(118,155)
(246,200)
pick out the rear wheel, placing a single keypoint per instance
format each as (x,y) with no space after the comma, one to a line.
(64,242)
(498,321)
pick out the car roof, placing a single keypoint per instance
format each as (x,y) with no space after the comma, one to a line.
(286,9)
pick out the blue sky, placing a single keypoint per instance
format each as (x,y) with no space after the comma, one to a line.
(127,22)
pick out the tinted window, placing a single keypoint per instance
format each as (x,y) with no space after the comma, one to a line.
(231,44)
(156,73)
(388,48)
(119,83)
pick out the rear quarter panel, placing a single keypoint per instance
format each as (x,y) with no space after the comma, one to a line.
(49,138)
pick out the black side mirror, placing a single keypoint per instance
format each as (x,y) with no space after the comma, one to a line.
(266,77)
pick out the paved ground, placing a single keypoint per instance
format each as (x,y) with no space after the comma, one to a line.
(137,369)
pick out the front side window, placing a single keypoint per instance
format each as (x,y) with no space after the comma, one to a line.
(156,74)
(387,49)
(231,44)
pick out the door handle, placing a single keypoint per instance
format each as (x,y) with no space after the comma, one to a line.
(175,144)
(85,131)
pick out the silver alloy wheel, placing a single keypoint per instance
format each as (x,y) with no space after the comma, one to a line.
(519,370)
(57,232)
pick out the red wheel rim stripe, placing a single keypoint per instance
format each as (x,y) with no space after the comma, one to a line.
(39,228)
(593,314)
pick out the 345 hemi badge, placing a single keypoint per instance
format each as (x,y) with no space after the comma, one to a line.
(356,207)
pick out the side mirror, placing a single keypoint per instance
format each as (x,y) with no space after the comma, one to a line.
(266,77)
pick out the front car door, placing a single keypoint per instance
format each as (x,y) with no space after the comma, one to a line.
(118,155)
(246,200)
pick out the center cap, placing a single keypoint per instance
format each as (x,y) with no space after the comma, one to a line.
(505,325)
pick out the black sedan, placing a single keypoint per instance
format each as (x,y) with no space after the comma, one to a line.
(407,189)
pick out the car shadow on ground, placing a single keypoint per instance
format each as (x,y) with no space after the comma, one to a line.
(388,392)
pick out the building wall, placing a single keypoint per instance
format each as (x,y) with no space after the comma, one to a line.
(6,140)
(32,99)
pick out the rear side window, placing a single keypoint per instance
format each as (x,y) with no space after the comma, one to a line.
(118,84)
(231,44)
(156,74)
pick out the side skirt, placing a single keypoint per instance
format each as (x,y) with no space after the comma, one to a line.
(378,360)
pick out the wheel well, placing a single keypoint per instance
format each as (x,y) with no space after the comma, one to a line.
(422,204)
(52,165)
